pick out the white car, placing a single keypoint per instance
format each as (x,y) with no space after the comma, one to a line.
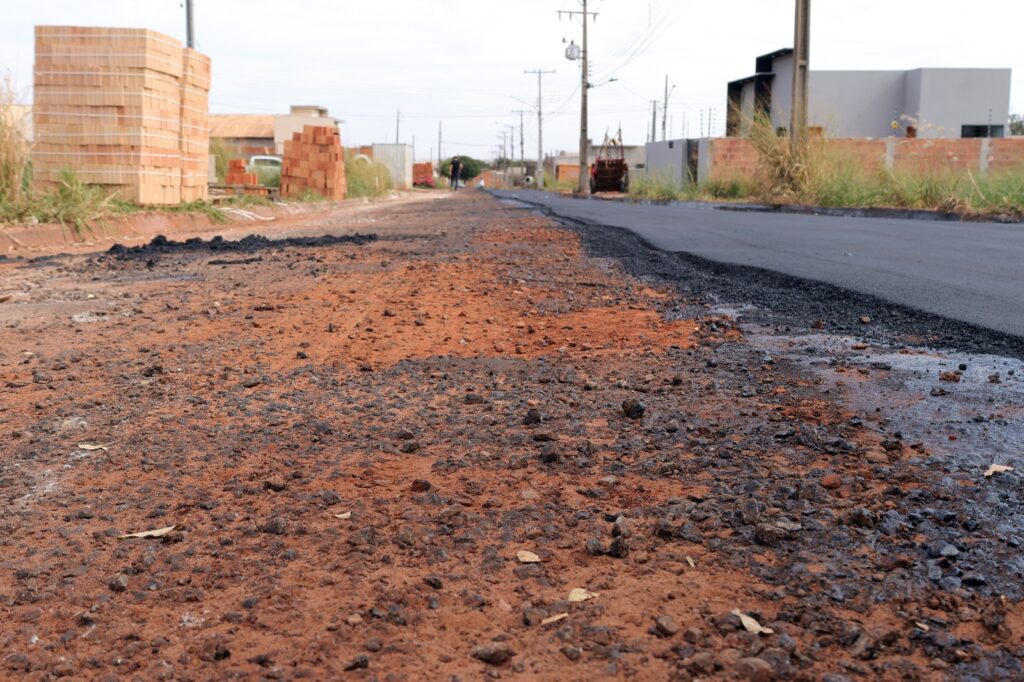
(257,163)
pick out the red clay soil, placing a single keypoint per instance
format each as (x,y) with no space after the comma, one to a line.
(353,444)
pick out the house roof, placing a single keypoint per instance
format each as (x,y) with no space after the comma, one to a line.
(241,125)
(778,53)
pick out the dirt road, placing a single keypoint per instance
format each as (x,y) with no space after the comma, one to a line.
(456,447)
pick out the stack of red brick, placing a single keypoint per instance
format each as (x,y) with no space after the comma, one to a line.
(237,174)
(314,162)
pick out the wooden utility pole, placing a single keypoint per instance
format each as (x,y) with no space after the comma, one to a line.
(801,64)
(584,185)
(540,125)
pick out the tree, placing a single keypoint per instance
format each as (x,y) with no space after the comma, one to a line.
(1016,124)
(470,168)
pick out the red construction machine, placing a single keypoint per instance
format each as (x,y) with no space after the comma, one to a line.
(610,172)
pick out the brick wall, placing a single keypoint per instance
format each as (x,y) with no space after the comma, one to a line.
(736,159)
(1006,155)
(930,156)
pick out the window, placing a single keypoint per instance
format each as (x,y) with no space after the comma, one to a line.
(982,131)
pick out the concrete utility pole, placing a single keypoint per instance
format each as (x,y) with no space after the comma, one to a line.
(440,154)
(540,126)
(664,111)
(522,140)
(398,121)
(801,64)
(190,26)
(584,89)
(654,120)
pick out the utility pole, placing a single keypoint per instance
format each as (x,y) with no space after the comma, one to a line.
(540,125)
(664,111)
(398,121)
(190,26)
(522,140)
(801,64)
(654,120)
(440,154)
(584,89)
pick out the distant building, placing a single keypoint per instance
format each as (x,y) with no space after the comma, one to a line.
(569,162)
(255,134)
(932,103)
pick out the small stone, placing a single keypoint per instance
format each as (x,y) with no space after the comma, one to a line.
(358,663)
(573,653)
(408,447)
(831,481)
(619,548)
(754,669)
(434,581)
(119,583)
(865,319)
(495,653)
(633,409)
(876,456)
(474,399)
(666,626)
(420,486)
(533,416)
(275,525)
(595,547)
(277,484)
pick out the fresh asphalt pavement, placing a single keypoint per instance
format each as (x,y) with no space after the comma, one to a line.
(971,272)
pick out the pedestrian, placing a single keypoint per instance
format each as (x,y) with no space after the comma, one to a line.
(456,172)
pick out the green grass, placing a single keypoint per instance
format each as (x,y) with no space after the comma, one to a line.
(365,179)
(644,188)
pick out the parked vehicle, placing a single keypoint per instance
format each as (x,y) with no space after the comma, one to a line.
(267,169)
(610,172)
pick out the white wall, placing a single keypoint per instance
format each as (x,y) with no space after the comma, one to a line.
(398,160)
(667,161)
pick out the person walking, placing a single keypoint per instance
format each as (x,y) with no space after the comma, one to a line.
(456,172)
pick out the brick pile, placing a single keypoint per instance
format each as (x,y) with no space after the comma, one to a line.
(122,108)
(195,125)
(314,161)
(237,174)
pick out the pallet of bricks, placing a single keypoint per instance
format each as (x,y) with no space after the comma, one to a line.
(242,181)
(314,162)
(195,125)
(121,108)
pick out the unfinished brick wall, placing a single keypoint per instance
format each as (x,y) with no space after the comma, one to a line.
(736,159)
(929,156)
(1006,155)
(732,158)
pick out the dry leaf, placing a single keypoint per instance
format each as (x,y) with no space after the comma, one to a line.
(94,446)
(344,516)
(751,625)
(527,557)
(997,469)
(924,628)
(554,619)
(690,561)
(578,594)
(158,533)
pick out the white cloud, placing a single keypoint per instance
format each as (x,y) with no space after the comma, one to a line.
(462,61)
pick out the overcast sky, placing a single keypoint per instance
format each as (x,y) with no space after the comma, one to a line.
(462,61)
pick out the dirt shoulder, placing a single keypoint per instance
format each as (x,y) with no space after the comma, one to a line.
(460,448)
(31,241)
